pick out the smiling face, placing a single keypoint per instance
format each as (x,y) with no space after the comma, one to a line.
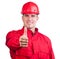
(30,20)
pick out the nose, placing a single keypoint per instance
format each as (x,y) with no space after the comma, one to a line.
(29,17)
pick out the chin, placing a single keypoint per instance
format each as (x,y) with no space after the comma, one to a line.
(30,27)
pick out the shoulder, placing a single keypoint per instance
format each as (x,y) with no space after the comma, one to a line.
(44,38)
(10,34)
(13,33)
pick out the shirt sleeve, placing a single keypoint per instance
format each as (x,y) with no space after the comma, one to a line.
(51,53)
(12,40)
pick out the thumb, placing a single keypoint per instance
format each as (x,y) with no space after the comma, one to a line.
(25,31)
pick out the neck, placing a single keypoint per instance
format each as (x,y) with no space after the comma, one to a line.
(33,30)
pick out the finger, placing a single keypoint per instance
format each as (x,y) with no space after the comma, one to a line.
(25,31)
(24,40)
(24,45)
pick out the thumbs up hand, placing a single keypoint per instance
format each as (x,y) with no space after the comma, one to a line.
(24,39)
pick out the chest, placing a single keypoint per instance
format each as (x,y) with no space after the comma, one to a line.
(40,47)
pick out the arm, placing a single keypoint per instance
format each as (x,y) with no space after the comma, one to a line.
(12,40)
(51,53)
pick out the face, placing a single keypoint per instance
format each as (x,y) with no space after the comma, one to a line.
(30,20)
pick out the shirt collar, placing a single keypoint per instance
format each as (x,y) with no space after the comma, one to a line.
(29,31)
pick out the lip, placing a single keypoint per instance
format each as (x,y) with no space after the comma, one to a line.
(30,22)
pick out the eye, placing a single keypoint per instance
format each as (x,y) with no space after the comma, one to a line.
(26,15)
(32,15)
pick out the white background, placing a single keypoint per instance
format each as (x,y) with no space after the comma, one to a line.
(48,23)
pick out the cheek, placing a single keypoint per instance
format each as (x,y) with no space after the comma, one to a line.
(35,21)
(24,20)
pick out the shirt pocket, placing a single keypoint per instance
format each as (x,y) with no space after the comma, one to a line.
(43,55)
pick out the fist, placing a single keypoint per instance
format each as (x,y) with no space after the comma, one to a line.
(24,39)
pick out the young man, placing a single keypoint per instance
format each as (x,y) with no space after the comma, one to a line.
(28,43)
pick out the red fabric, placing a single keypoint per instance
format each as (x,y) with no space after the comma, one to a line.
(39,46)
(30,8)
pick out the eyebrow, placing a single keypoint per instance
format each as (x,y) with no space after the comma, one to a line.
(28,14)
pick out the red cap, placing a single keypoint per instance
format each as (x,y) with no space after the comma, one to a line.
(30,8)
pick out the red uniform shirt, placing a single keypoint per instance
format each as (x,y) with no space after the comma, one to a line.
(39,45)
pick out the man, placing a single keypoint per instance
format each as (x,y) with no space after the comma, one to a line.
(28,43)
